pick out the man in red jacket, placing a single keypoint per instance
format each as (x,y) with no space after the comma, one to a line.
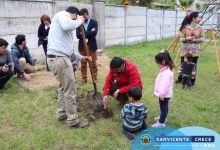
(122,75)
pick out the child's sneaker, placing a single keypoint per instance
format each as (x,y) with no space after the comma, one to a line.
(158,124)
(129,135)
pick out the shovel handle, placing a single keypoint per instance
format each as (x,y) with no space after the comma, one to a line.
(87,54)
(95,87)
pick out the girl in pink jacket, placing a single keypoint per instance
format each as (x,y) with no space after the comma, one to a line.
(163,85)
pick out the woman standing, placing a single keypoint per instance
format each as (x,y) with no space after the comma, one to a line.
(43,31)
(191,36)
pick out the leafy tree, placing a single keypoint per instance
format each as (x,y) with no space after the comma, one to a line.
(145,2)
(186,3)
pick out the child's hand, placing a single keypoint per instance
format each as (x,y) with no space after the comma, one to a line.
(162,98)
(116,93)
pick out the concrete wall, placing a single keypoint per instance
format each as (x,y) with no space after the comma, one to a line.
(22,17)
(117,24)
(62,5)
(135,24)
(129,25)
(154,24)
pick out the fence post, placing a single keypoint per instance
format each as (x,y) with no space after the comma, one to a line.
(162,29)
(176,21)
(125,33)
(146,22)
(99,15)
(53,7)
(218,21)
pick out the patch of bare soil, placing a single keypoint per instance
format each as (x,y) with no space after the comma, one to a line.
(43,79)
(39,81)
(84,102)
(88,109)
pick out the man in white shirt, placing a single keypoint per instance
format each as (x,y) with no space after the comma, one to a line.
(60,48)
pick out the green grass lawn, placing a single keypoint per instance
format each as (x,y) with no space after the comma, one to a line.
(27,118)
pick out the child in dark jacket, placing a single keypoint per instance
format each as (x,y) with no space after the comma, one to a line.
(134,113)
(188,71)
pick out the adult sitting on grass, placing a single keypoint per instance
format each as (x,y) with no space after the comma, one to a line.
(6,64)
(22,59)
(122,76)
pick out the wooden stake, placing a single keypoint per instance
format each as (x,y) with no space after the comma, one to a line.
(216,51)
(176,39)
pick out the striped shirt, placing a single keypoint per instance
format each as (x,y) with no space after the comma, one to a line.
(133,115)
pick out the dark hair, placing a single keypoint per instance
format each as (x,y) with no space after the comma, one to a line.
(164,56)
(73,10)
(116,62)
(44,17)
(84,11)
(135,92)
(188,19)
(189,57)
(3,42)
(19,39)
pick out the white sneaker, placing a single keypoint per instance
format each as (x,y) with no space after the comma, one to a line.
(158,124)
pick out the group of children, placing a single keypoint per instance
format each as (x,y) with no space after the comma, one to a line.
(134,113)
(191,37)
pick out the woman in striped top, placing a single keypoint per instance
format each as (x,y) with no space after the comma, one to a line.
(191,36)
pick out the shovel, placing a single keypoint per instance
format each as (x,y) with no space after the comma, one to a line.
(96,98)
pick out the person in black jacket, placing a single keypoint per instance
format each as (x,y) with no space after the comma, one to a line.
(43,32)
(91,28)
(6,64)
